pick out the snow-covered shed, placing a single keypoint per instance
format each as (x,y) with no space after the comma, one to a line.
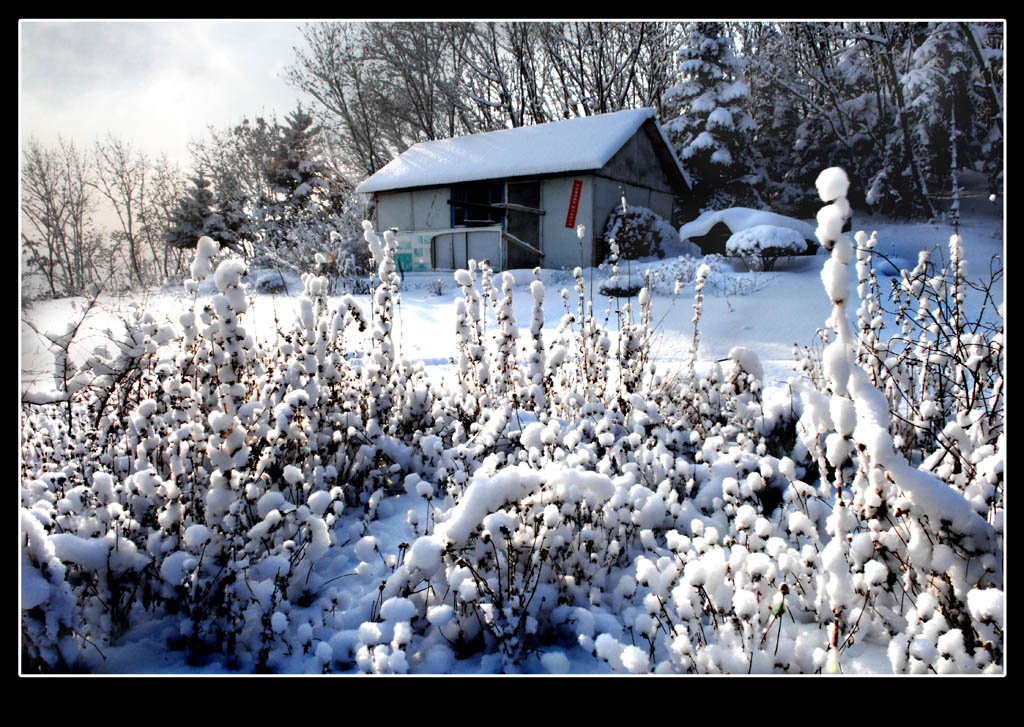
(515,197)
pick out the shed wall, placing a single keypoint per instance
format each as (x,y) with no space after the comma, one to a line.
(416,209)
(636,174)
(561,245)
(394,209)
(636,170)
(430,209)
(642,170)
(427,209)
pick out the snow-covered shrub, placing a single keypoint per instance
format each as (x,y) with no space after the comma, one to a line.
(640,232)
(514,548)
(916,521)
(738,219)
(316,247)
(49,620)
(620,290)
(346,264)
(177,507)
(615,286)
(943,371)
(667,278)
(436,287)
(762,245)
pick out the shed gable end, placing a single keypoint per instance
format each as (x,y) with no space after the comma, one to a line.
(645,161)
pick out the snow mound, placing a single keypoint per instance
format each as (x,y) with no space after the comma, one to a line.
(738,219)
(832,184)
(747,360)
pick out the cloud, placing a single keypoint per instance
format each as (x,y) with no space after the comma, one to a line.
(155,84)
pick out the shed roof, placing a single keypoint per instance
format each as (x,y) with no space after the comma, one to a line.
(572,145)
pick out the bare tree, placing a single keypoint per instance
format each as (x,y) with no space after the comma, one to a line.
(349,89)
(417,73)
(122,173)
(381,87)
(530,73)
(604,67)
(59,240)
(167,185)
(503,75)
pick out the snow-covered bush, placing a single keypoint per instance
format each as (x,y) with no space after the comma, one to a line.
(174,509)
(919,522)
(669,277)
(615,286)
(762,245)
(640,232)
(666,277)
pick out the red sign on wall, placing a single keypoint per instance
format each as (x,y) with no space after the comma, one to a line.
(574,203)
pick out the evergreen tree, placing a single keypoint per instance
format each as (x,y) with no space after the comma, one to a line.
(985,42)
(843,119)
(235,221)
(707,122)
(782,139)
(195,217)
(191,216)
(297,185)
(939,89)
(934,88)
(293,219)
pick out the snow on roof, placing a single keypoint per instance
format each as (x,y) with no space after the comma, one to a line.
(559,146)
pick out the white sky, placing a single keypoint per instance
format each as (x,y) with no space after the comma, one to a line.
(156,84)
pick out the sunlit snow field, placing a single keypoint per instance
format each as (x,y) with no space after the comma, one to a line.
(787,307)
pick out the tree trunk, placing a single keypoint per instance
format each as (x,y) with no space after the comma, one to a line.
(990,87)
(910,159)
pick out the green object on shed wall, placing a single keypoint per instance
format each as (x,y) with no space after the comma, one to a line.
(413,254)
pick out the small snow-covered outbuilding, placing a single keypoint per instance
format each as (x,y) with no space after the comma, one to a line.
(515,197)
(714,230)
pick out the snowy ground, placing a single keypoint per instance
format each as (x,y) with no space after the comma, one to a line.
(786,308)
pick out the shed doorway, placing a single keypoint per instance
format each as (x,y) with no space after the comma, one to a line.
(523,223)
